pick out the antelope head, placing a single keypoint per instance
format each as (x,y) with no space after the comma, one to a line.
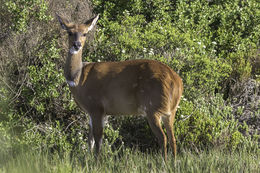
(77,36)
(77,32)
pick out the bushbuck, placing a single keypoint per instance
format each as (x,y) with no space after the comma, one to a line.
(134,87)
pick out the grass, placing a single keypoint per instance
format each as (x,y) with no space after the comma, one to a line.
(133,161)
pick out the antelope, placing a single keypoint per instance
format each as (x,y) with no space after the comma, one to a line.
(134,87)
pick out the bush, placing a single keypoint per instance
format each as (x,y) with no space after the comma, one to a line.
(46,84)
(22,11)
(205,44)
(36,109)
(212,45)
(209,122)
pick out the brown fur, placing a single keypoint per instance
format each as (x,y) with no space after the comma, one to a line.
(146,87)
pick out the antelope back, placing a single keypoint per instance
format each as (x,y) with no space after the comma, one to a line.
(129,87)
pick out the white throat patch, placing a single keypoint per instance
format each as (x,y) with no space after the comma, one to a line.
(73,51)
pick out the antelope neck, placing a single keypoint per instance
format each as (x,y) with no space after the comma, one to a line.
(73,68)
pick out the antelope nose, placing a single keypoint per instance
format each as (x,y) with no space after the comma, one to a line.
(77,45)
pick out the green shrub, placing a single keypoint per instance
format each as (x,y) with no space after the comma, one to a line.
(208,43)
(46,83)
(21,12)
(204,32)
(209,122)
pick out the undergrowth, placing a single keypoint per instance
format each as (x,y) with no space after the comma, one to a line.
(133,161)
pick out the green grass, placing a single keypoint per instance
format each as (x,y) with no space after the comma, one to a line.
(133,161)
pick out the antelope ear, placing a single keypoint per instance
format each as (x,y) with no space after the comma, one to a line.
(91,23)
(63,22)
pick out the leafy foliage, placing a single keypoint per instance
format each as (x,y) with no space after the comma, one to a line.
(206,42)
(21,12)
(212,45)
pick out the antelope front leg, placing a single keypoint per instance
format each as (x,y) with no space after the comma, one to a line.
(91,141)
(97,131)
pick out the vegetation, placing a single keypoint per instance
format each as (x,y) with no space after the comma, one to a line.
(136,161)
(212,45)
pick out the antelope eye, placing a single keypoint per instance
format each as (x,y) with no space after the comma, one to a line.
(85,34)
(70,33)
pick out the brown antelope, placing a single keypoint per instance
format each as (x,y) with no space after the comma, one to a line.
(143,87)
